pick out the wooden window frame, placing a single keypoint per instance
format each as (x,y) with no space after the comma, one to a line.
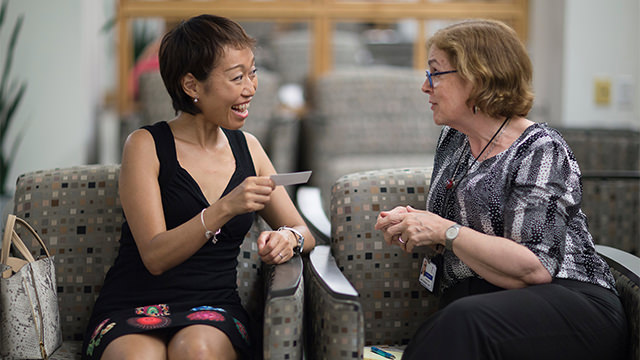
(320,14)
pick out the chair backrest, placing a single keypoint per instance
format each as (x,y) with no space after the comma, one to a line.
(593,148)
(611,203)
(78,214)
(367,118)
(393,302)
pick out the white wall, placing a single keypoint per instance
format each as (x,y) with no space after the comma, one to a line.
(574,42)
(602,40)
(545,44)
(62,55)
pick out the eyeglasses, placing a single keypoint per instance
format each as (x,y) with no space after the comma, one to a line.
(430,75)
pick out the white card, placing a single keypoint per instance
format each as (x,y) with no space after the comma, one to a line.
(291,178)
(428,274)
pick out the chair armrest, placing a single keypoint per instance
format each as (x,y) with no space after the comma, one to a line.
(309,203)
(626,270)
(335,320)
(622,261)
(283,313)
(324,267)
(285,278)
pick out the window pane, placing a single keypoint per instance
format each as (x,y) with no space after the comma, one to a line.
(368,43)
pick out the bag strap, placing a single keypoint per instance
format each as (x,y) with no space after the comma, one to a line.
(6,238)
(35,235)
(11,236)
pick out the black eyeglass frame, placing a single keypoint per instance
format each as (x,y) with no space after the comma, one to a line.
(437,73)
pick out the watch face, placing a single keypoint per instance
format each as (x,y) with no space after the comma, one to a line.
(451,232)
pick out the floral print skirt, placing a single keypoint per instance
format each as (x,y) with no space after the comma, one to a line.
(232,320)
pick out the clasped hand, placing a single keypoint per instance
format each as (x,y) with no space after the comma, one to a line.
(408,227)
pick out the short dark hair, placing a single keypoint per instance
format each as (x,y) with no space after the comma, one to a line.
(489,54)
(196,46)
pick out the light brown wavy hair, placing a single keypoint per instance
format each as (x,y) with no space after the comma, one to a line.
(490,55)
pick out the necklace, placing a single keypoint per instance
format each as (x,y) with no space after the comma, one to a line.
(451,182)
(493,144)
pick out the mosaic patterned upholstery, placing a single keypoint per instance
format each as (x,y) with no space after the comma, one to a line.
(281,339)
(386,279)
(391,300)
(78,213)
(334,323)
(626,270)
(630,295)
(612,206)
(611,201)
(366,118)
(595,148)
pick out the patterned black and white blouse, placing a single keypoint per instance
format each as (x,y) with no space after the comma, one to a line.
(529,193)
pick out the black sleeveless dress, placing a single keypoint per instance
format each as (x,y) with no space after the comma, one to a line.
(201,290)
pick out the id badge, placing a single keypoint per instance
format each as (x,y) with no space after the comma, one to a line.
(428,274)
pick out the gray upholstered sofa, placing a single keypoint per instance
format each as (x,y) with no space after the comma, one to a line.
(77,212)
(361,292)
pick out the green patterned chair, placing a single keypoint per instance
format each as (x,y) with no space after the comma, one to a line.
(77,212)
(360,291)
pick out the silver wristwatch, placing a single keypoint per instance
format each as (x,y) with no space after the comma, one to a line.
(300,239)
(450,235)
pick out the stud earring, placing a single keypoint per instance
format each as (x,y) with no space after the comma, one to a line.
(195,100)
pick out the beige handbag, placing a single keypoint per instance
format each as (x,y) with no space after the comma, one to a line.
(29,316)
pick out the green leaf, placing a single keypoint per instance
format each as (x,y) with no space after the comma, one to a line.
(10,51)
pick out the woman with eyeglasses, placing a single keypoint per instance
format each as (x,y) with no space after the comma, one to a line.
(517,269)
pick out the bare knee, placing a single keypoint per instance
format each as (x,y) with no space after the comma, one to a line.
(136,346)
(201,342)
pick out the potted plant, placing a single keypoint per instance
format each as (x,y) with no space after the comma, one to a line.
(11,94)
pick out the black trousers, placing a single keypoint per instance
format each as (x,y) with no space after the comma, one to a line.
(564,320)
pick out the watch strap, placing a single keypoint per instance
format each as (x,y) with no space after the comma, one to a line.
(450,235)
(299,238)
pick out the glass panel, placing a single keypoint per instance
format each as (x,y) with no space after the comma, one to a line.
(431,26)
(382,43)
(285,50)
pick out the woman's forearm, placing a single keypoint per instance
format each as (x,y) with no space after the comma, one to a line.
(498,260)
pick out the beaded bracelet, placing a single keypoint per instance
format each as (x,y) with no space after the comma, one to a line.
(208,233)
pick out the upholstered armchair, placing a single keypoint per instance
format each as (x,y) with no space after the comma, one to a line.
(366,118)
(361,291)
(78,213)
